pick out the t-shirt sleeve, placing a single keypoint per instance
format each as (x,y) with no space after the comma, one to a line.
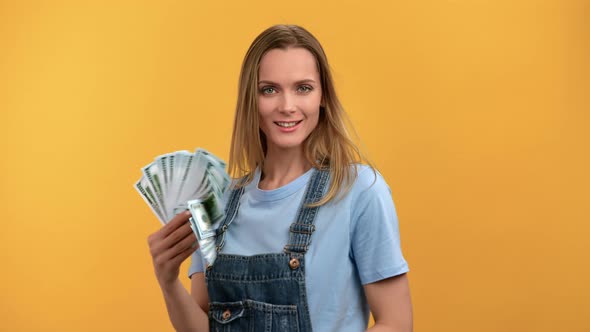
(375,238)
(197,263)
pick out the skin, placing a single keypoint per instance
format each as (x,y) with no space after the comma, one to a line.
(169,247)
(391,304)
(289,91)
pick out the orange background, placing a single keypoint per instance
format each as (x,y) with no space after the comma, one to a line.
(476,112)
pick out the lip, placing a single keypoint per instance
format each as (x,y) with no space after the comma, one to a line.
(290,129)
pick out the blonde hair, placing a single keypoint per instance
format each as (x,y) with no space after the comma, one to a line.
(328,147)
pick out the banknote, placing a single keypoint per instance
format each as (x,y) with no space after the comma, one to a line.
(200,221)
(181,180)
(146,193)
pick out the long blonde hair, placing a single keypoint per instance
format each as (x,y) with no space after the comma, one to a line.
(329,146)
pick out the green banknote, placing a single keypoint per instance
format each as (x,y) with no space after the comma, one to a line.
(181,180)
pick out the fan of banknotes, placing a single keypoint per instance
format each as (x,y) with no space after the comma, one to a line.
(175,182)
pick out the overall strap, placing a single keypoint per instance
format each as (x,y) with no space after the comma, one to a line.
(231,209)
(303,226)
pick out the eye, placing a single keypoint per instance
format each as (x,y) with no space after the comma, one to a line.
(304,88)
(267,90)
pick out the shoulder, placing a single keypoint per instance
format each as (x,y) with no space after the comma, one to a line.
(368,181)
(367,188)
(370,199)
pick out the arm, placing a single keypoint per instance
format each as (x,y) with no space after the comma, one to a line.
(169,247)
(199,291)
(184,311)
(376,249)
(390,303)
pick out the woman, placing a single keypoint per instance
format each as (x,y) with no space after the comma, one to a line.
(310,238)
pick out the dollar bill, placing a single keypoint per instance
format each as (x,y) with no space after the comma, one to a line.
(153,174)
(177,181)
(200,220)
(146,193)
(208,250)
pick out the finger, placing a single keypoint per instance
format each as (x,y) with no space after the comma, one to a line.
(155,240)
(176,236)
(182,256)
(178,220)
(185,243)
(162,244)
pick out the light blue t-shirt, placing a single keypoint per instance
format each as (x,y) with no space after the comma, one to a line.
(356,242)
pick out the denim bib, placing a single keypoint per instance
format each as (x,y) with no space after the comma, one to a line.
(264,292)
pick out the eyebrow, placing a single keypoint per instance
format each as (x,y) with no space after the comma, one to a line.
(309,80)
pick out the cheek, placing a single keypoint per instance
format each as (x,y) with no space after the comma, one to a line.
(265,105)
(314,103)
(313,109)
(264,110)
(263,119)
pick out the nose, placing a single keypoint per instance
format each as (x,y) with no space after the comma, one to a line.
(288,103)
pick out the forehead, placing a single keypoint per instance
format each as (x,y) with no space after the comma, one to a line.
(293,63)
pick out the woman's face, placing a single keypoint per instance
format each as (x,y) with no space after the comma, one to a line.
(289,97)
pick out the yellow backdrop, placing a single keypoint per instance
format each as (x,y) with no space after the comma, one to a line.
(476,112)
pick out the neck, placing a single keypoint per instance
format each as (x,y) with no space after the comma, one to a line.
(282,167)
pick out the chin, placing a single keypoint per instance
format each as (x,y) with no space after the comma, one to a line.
(288,145)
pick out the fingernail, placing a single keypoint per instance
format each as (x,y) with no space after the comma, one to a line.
(187,213)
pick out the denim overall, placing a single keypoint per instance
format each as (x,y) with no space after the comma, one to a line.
(264,292)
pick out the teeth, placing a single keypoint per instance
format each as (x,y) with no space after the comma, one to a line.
(287,124)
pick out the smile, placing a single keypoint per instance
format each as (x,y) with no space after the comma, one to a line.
(288,124)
